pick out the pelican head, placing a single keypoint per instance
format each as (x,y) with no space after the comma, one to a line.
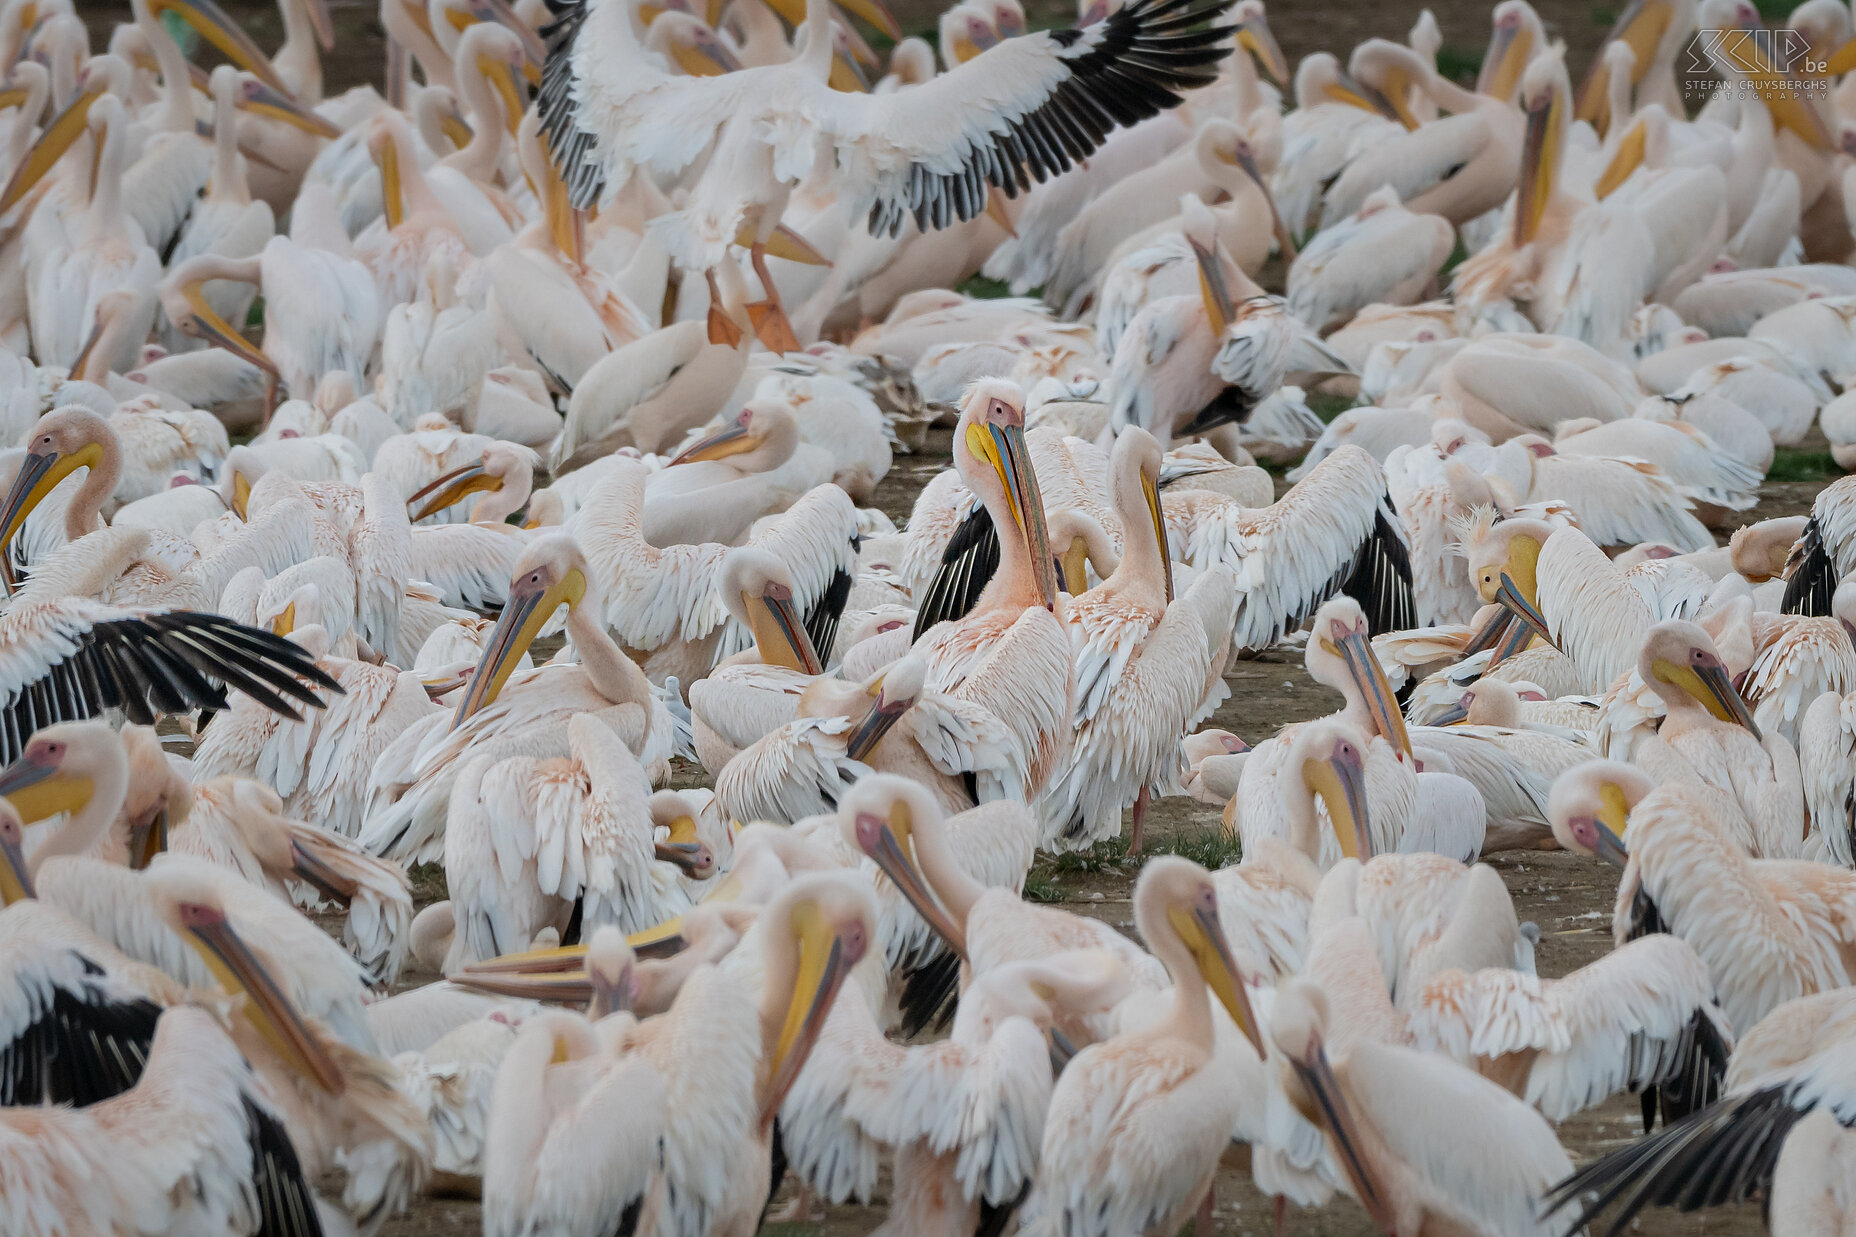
(1589,807)
(186,892)
(1490,702)
(892,692)
(301,608)
(1681,665)
(60,768)
(1253,35)
(1545,98)
(1176,897)
(243,468)
(688,42)
(213,24)
(757,588)
(1320,79)
(65,440)
(816,931)
(966,31)
(389,144)
(1200,228)
(1079,541)
(1134,480)
(503,466)
(1340,653)
(15,877)
(995,462)
(681,842)
(1392,70)
(1759,551)
(1642,28)
(1330,760)
(550,573)
(1515,34)
(183,299)
(259,98)
(764,430)
(498,56)
(611,971)
(1298,1024)
(1503,565)
(880,817)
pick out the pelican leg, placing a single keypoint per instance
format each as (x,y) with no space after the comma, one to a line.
(270,400)
(1280,1205)
(722,328)
(1202,1223)
(1140,813)
(769,316)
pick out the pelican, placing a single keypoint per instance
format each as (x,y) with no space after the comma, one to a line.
(1685,874)
(1386,1110)
(760,1011)
(412,779)
(1147,672)
(716,487)
(1382,254)
(751,693)
(1010,654)
(1137,1123)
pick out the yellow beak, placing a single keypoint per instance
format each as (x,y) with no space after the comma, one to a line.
(1341,784)
(261,100)
(1540,161)
(285,623)
(1642,26)
(1003,447)
(1254,37)
(528,611)
(56,138)
(825,959)
(1711,687)
(39,474)
(213,25)
(779,634)
(1381,701)
(1202,933)
(267,1009)
(889,843)
(451,489)
(1627,159)
(1505,61)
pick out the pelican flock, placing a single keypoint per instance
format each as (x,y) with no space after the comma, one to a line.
(777,616)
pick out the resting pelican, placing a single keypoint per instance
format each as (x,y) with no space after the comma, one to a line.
(1749,919)
(1149,668)
(1388,1110)
(1009,654)
(505,712)
(759,1013)
(751,693)
(1137,1123)
(715,488)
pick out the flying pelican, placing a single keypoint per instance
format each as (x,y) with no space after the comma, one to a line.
(412,779)
(1748,919)
(760,1013)
(977,139)
(1137,1123)
(1149,668)
(1387,1109)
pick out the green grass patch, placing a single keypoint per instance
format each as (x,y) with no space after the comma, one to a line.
(1789,464)
(1327,405)
(1604,16)
(1211,849)
(254,317)
(795,1228)
(984,289)
(1454,260)
(428,883)
(1459,64)
(1040,886)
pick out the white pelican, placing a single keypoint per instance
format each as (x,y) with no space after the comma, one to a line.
(758,1014)
(1655,31)
(529,840)
(1390,1112)
(1149,668)
(1382,254)
(751,693)
(1137,1123)
(1751,920)
(1334,121)
(716,487)
(502,712)
(1009,653)
(607,108)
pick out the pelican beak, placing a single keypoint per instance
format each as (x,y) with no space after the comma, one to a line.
(1491,632)
(1511,597)
(40,791)
(719,446)
(213,25)
(261,100)
(285,622)
(451,489)
(1791,108)
(846,77)
(785,243)
(241,492)
(997,212)
(566,226)
(80,366)
(534,50)
(39,474)
(1003,446)
(56,138)
(267,1009)
(1842,60)
(860,52)
(1629,155)
(209,326)
(873,12)
(1341,783)
(1216,294)
(1253,35)
(1151,489)
(779,631)
(1244,159)
(1317,1078)
(502,78)
(456,129)
(1354,93)
(311,870)
(685,849)
(1457,712)
(1356,649)
(1075,567)
(529,609)
(888,841)
(14,96)
(323,23)
(704,58)
(1613,822)
(826,956)
(1708,684)
(1506,59)
(1539,164)
(611,996)
(147,841)
(1642,25)
(567,986)
(882,716)
(15,877)
(392,192)
(1396,91)
(1201,933)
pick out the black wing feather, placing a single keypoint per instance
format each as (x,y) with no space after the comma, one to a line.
(1381,579)
(286,1208)
(82,1048)
(967,566)
(822,620)
(1810,576)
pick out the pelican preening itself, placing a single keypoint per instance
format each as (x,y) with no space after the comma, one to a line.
(591,676)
